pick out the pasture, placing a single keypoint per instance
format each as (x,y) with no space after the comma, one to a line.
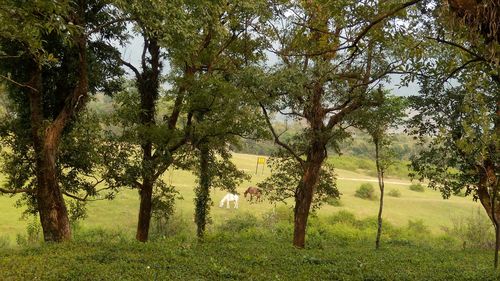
(120,214)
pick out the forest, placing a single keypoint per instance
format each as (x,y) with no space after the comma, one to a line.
(249,140)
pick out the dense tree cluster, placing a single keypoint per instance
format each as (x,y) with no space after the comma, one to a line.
(213,72)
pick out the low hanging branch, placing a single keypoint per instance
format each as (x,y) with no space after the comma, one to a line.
(277,139)
(16,191)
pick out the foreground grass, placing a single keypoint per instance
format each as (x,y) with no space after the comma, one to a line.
(248,255)
(247,247)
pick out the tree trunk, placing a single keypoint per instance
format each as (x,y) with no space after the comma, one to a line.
(51,207)
(203,192)
(497,245)
(305,192)
(380,174)
(146,193)
(50,202)
(489,200)
(147,84)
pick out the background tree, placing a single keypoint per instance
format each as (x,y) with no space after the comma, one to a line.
(147,138)
(47,67)
(458,113)
(330,58)
(377,122)
(219,46)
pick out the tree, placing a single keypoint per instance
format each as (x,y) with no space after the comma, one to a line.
(150,140)
(377,121)
(203,44)
(331,57)
(458,115)
(49,82)
(477,15)
(218,48)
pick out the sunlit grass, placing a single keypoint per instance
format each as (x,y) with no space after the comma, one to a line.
(122,212)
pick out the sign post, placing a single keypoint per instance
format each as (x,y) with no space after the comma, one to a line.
(260,160)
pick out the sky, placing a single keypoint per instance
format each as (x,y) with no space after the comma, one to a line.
(132,53)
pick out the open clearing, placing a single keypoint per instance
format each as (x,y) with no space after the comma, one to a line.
(121,213)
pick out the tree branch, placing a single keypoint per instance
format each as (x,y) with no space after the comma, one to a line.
(15,191)
(458,46)
(17,83)
(106,24)
(131,66)
(463,66)
(276,137)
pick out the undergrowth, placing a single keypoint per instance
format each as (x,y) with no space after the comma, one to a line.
(246,247)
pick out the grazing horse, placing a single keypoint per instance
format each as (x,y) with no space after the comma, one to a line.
(253,191)
(229,197)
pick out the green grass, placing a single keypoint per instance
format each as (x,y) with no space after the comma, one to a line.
(121,213)
(336,251)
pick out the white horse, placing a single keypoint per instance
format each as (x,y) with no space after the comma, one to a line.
(229,197)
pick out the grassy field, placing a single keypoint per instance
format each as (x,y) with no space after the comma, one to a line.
(121,213)
(253,242)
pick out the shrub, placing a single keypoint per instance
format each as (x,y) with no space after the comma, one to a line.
(174,225)
(239,223)
(333,201)
(417,227)
(343,217)
(33,234)
(417,187)
(474,231)
(100,235)
(277,215)
(394,193)
(366,191)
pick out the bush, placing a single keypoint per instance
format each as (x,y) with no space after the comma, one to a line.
(277,215)
(33,234)
(239,223)
(366,191)
(418,228)
(333,201)
(343,217)
(394,193)
(175,224)
(100,235)
(474,231)
(417,187)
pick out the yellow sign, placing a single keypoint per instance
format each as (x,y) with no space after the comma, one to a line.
(261,160)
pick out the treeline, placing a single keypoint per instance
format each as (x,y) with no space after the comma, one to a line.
(213,74)
(358,145)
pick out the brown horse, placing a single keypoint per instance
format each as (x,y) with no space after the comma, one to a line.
(253,191)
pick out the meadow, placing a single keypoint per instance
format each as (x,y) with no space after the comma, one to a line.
(254,241)
(121,213)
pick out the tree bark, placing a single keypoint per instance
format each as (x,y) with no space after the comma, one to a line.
(51,206)
(380,174)
(50,202)
(145,208)
(305,192)
(489,200)
(203,192)
(147,84)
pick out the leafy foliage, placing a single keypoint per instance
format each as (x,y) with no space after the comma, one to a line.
(366,191)
(341,252)
(285,176)
(394,193)
(417,187)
